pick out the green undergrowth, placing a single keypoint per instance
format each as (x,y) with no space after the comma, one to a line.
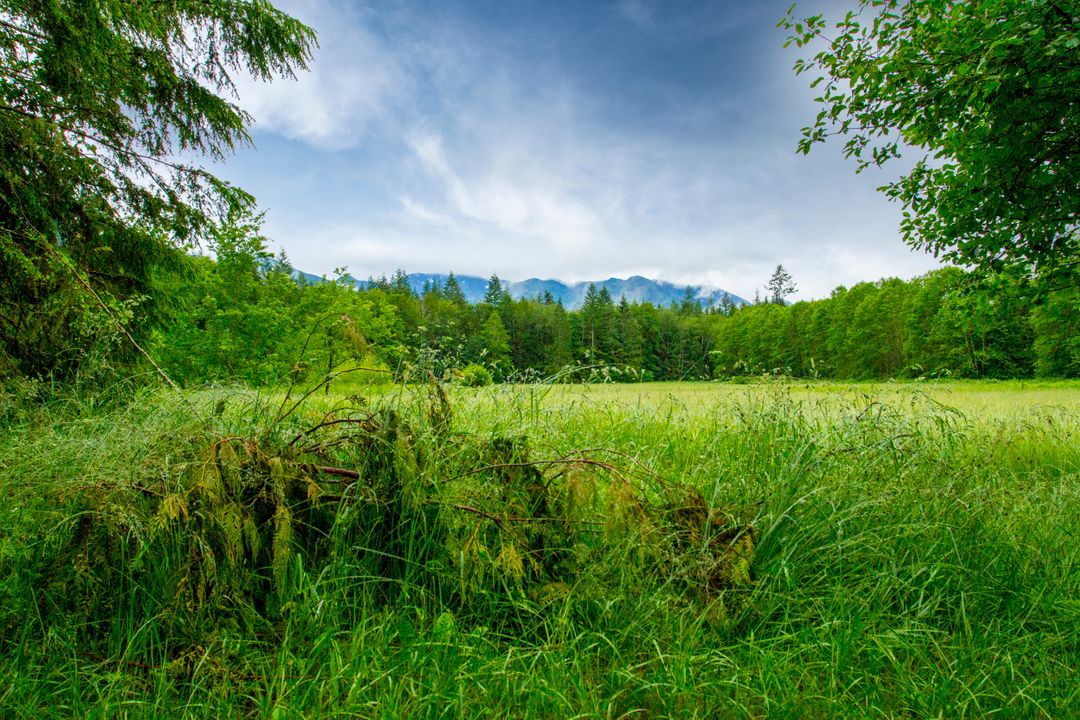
(494,554)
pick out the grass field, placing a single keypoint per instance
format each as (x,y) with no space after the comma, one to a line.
(994,399)
(663,550)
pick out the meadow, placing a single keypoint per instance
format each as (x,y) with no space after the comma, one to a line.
(780,549)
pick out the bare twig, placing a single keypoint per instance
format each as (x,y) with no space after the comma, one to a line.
(328,423)
(649,472)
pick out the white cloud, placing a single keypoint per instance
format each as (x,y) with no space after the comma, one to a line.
(425,216)
(491,166)
(354,82)
(511,192)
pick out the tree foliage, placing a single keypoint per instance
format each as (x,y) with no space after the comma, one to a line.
(98,100)
(780,285)
(245,317)
(987,94)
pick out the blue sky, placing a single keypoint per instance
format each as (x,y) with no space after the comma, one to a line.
(573,140)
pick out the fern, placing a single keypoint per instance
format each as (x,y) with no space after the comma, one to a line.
(282,546)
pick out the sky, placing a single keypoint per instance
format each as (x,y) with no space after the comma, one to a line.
(576,140)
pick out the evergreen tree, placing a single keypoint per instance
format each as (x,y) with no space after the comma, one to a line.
(452,291)
(598,325)
(495,294)
(103,102)
(780,285)
(400,283)
(591,295)
(281,265)
(690,304)
(629,340)
(585,326)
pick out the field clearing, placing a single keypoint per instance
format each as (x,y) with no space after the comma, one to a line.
(977,399)
(712,550)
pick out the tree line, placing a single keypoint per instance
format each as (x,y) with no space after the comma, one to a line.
(247,316)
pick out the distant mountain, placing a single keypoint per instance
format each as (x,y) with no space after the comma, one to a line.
(634,289)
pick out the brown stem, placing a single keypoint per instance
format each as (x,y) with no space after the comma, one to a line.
(340,472)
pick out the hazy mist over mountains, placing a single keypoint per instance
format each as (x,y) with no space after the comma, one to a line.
(635,289)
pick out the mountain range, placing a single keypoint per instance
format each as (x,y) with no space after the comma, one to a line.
(635,289)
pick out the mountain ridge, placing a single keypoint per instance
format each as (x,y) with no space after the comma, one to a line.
(635,288)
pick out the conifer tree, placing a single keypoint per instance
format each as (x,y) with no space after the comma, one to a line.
(452,291)
(495,294)
(780,285)
(629,341)
(400,283)
(101,104)
(690,305)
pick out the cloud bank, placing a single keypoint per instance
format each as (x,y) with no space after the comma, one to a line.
(559,145)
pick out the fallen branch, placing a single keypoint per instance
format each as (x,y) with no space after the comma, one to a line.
(340,472)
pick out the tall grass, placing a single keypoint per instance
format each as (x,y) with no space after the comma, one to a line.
(904,559)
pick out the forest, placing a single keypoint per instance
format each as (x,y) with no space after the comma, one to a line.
(246,317)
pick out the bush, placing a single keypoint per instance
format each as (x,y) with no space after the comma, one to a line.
(474,375)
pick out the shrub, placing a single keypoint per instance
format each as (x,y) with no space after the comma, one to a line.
(474,375)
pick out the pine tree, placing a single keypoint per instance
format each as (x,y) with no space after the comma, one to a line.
(780,285)
(452,291)
(400,283)
(103,104)
(690,304)
(598,331)
(495,294)
(629,345)
(590,297)
(280,265)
